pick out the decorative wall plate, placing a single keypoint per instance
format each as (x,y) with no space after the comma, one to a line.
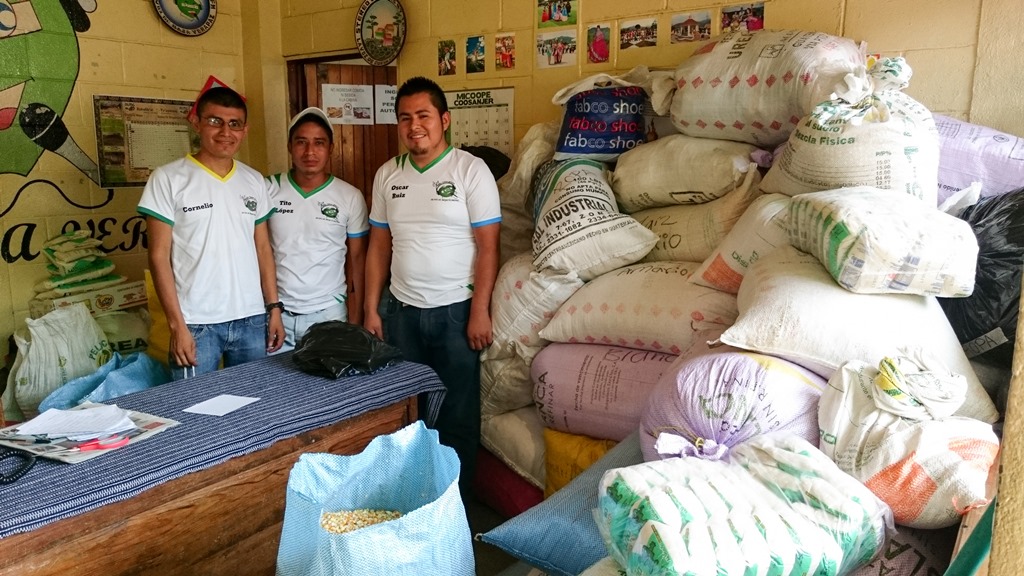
(187,17)
(380,31)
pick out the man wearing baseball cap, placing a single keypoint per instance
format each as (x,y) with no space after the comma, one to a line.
(318,232)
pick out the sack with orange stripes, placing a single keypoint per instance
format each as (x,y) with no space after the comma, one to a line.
(892,428)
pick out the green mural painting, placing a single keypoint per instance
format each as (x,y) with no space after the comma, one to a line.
(38,68)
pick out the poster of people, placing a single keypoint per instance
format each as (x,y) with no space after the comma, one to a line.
(597,42)
(475,61)
(555,49)
(552,13)
(638,33)
(743,17)
(505,51)
(691,26)
(445,57)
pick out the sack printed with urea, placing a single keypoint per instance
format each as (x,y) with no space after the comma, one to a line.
(602,123)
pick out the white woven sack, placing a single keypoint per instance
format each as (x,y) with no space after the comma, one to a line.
(517,439)
(650,306)
(754,87)
(790,307)
(596,390)
(505,378)
(860,137)
(524,300)
(62,345)
(927,470)
(536,148)
(974,153)
(760,230)
(874,241)
(678,169)
(691,233)
(579,228)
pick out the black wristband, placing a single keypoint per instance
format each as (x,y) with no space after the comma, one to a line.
(272,305)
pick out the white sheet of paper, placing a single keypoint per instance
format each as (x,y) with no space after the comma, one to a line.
(220,405)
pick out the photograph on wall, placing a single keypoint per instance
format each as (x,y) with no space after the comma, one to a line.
(597,42)
(556,49)
(691,26)
(445,57)
(475,61)
(553,13)
(743,17)
(348,103)
(638,33)
(505,51)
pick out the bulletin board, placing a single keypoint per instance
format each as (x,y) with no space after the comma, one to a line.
(482,118)
(136,135)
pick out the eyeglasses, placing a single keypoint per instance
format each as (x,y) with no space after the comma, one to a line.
(217,122)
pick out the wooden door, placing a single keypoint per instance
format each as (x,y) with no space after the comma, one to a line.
(358,149)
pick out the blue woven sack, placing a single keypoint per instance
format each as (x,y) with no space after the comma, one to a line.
(119,376)
(408,471)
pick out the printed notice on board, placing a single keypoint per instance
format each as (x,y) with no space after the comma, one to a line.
(384,103)
(482,118)
(348,103)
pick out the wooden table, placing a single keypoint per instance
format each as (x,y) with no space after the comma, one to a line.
(222,520)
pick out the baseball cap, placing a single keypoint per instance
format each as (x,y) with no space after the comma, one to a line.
(320,117)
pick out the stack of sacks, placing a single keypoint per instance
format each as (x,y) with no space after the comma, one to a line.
(688,191)
(522,303)
(868,133)
(892,429)
(578,234)
(755,86)
(779,506)
(704,405)
(791,307)
(76,265)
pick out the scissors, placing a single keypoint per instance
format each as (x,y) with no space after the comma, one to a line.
(101,444)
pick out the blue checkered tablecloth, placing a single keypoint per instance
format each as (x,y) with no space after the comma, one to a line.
(291,402)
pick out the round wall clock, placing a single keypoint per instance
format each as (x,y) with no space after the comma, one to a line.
(187,17)
(380,31)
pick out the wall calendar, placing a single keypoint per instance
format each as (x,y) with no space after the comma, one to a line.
(482,118)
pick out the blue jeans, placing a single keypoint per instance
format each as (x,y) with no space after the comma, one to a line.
(296,325)
(237,341)
(437,337)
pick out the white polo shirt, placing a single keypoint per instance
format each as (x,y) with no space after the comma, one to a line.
(213,254)
(308,232)
(431,213)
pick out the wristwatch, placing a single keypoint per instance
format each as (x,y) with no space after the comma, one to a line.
(272,305)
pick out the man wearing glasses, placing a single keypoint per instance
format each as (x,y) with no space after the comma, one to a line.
(209,250)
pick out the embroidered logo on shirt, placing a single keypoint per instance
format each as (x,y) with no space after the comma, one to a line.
(445,189)
(250,202)
(329,210)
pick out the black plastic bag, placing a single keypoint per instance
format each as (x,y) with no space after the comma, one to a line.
(986,321)
(336,348)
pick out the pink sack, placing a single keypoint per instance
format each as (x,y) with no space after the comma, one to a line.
(595,389)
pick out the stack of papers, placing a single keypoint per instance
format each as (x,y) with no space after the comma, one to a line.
(96,421)
(83,432)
